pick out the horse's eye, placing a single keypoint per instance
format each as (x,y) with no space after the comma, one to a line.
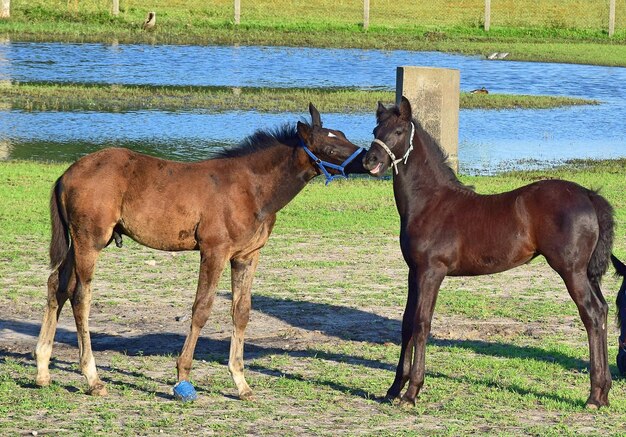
(399,132)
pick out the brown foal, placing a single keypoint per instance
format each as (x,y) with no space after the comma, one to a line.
(225,207)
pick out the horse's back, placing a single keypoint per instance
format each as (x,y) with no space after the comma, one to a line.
(481,234)
(98,178)
(144,196)
(556,206)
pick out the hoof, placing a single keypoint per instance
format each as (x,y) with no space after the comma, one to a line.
(407,403)
(43,381)
(184,391)
(246,396)
(98,390)
(392,396)
(594,404)
(393,400)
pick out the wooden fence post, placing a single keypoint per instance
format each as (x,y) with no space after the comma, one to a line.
(237,11)
(366,14)
(434,95)
(115,10)
(487,15)
(611,17)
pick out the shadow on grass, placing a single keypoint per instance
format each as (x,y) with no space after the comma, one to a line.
(333,320)
(58,365)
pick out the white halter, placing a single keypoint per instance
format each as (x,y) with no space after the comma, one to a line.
(394,161)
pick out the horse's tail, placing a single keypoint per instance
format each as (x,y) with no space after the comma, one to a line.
(60,241)
(599,262)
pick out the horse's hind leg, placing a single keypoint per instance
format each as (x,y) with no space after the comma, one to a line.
(61,280)
(81,304)
(593,311)
(599,395)
(242,273)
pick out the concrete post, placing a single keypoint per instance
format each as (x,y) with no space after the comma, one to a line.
(611,18)
(237,11)
(487,15)
(434,95)
(5,8)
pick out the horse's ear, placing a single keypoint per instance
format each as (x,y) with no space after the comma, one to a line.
(379,111)
(304,130)
(315,115)
(405,109)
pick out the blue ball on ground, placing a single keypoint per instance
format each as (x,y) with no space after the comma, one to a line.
(185,392)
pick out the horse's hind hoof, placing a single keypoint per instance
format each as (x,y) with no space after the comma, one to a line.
(98,389)
(407,403)
(594,404)
(247,396)
(43,381)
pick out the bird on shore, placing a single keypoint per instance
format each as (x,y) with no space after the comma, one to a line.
(150,21)
(498,55)
(482,90)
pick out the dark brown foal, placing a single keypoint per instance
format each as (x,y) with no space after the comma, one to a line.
(449,230)
(224,207)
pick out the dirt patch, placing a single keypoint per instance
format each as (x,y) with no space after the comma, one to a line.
(319,309)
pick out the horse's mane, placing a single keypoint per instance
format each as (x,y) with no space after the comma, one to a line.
(432,147)
(439,155)
(260,140)
(436,153)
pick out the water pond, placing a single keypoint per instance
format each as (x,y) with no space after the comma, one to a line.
(489,141)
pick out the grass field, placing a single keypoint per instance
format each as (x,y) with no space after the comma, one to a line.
(507,355)
(106,98)
(527,29)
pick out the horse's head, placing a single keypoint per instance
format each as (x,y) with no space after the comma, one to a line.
(392,138)
(329,149)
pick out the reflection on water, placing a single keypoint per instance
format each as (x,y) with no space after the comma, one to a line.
(512,139)
(292,67)
(488,140)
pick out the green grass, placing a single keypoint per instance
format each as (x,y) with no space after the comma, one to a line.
(527,29)
(508,354)
(113,98)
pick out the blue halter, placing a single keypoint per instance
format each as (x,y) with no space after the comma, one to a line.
(324,165)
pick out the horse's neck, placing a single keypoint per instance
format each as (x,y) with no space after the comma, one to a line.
(424,176)
(280,173)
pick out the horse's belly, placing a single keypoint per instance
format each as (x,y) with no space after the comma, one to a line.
(489,263)
(163,235)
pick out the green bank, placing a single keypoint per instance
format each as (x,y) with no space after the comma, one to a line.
(113,98)
(572,31)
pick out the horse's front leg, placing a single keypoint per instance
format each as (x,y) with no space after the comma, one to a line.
(242,273)
(425,282)
(406,345)
(211,265)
